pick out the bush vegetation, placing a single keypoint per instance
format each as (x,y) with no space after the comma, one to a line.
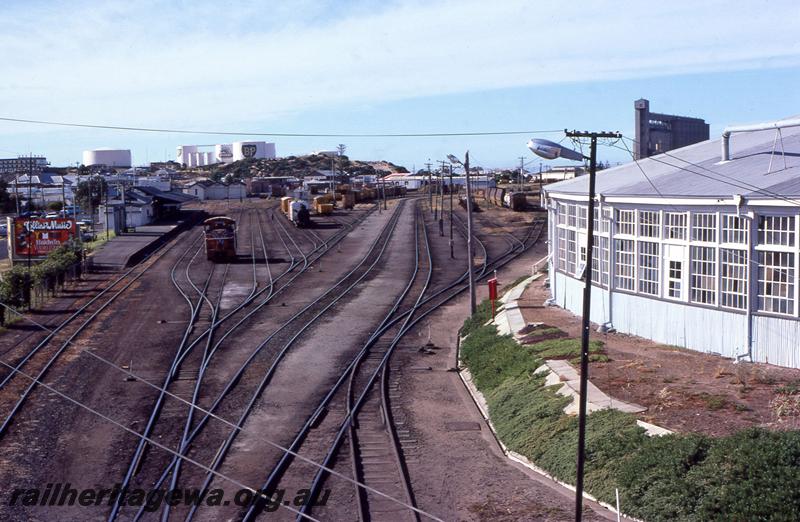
(47,274)
(751,475)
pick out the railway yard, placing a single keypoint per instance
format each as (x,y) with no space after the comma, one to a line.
(316,363)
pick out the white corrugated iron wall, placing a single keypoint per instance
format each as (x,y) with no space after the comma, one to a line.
(693,327)
(775,341)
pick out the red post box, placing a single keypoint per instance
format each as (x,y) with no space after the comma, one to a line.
(492,292)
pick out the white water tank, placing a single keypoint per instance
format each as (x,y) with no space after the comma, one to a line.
(253,149)
(223,153)
(109,157)
(184,152)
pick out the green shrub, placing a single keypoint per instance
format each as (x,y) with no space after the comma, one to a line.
(482,314)
(751,475)
(563,348)
(493,359)
(653,482)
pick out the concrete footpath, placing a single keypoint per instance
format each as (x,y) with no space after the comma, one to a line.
(510,321)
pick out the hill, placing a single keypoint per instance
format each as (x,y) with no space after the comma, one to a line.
(300,166)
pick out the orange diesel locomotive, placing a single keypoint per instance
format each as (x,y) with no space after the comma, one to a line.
(220,235)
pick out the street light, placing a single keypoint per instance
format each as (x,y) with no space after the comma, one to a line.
(453,159)
(550,150)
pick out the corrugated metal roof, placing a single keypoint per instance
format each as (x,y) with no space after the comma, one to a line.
(696,170)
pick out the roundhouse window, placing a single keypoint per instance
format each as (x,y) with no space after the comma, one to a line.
(626,222)
(776,230)
(675,278)
(600,260)
(734,229)
(733,278)
(703,275)
(704,227)
(649,223)
(675,225)
(648,267)
(562,250)
(776,282)
(625,259)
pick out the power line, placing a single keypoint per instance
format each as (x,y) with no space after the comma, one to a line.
(738,183)
(155,443)
(278,134)
(748,259)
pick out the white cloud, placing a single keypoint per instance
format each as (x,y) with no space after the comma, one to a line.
(211,63)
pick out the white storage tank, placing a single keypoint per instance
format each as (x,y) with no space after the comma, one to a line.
(109,157)
(223,153)
(184,152)
(253,149)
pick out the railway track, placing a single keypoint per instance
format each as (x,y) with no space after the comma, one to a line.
(300,262)
(40,359)
(392,469)
(365,403)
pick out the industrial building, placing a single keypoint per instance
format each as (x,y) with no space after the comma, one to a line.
(202,155)
(204,189)
(657,133)
(120,158)
(696,248)
(23,164)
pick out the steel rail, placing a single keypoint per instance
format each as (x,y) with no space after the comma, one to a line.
(321,472)
(43,371)
(138,453)
(307,260)
(382,240)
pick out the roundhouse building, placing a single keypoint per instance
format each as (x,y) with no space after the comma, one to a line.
(696,248)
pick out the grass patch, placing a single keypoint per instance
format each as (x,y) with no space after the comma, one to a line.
(563,348)
(100,239)
(751,475)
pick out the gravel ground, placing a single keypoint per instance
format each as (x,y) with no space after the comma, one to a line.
(456,467)
(684,391)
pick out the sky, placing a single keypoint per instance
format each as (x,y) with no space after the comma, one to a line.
(359,67)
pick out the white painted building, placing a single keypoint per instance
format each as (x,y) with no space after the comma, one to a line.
(204,189)
(692,249)
(202,155)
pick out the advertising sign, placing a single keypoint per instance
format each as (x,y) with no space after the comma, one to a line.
(38,237)
(249,150)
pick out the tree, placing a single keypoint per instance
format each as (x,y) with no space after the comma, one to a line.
(7,203)
(55,205)
(89,193)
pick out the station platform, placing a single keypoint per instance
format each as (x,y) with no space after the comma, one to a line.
(130,248)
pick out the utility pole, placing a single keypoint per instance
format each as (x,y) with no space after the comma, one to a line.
(16,189)
(540,183)
(470,264)
(106,209)
(452,256)
(519,176)
(430,187)
(587,301)
(30,233)
(341,148)
(441,198)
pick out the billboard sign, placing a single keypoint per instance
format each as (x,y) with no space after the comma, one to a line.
(37,237)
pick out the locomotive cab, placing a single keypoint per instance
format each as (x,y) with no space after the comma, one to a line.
(220,238)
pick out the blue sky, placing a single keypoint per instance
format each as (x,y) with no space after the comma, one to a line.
(384,67)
